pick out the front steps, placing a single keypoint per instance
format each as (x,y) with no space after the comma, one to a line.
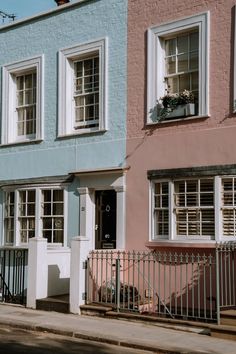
(227,327)
(58,303)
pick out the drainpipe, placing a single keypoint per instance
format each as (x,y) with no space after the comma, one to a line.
(61,2)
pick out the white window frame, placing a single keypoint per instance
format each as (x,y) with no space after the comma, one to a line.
(9,113)
(172,236)
(38,215)
(66,112)
(156,68)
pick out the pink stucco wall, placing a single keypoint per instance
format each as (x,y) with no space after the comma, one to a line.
(196,142)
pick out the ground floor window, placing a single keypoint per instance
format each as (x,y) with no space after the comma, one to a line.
(34,211)
(193,208)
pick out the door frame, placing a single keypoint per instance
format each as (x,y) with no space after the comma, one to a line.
(96,181)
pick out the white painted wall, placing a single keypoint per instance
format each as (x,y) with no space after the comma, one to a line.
(58,270)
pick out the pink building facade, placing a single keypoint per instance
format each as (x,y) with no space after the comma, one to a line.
(181,185)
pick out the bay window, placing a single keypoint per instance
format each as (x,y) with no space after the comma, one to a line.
(34,212)
(194,208)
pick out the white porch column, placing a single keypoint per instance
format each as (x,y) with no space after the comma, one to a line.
(86,214)
(37,271)
(79,254)
(120,217)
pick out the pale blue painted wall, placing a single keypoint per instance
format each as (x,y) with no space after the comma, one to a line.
(46,35)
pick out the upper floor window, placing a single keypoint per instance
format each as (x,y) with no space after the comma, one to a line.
(178,69)
(86,93)
(34,211)
(82,88)
(22,113)
(26,91)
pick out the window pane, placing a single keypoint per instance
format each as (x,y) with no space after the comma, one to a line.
(194,80)
(170,65)
(182,43)
(184,82)
(194,39)
(172,84)
(58,236)
(57,209)
(171,47)
(193,60)
(182,62)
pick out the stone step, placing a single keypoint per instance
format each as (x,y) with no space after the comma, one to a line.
(228,317)
(59,303)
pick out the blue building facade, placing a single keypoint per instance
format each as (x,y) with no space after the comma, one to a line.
(63,125)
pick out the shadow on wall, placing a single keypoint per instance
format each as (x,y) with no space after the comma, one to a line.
(56,284)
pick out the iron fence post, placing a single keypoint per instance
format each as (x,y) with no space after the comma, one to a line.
(118,284)
(217,286)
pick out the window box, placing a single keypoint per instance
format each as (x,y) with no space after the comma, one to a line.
(183,110)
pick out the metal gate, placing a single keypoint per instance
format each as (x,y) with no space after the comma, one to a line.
(13,275)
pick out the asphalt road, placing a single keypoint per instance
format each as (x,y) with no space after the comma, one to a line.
(18,341)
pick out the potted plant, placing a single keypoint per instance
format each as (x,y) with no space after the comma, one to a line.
(173,105)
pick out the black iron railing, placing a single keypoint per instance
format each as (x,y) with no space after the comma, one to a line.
(13,275)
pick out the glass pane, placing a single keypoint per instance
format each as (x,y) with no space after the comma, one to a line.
(28,81)
(23,236)
(58,195)
(182,62)
(88,67)
(48,235)
(96,66)
(20,128)
(88,84)
(20,82)
(20,98)
(31,233)
(193,60)
(79,85)
(58,223)
(182,44)
(47,195)
(22,196)
(58,209)
(171,47)
(172,84)
(31,223)
(192,199)
(194,79)
(47,209)
(29,97)
(31,196)
(184,82)
(31,209)
(23,224)
(89,112)
(206,185)
(79,101)
(78,69)
(58,236)
(170,65)
(30,127)
(47,223)
(194,38)
(79,114)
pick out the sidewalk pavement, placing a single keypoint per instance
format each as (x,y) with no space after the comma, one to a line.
(119,332)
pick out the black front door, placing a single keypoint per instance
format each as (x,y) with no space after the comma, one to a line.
(105,221)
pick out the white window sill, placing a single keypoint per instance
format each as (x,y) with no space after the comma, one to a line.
(22,142)
(79,133)
(177,119)
(181,244)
